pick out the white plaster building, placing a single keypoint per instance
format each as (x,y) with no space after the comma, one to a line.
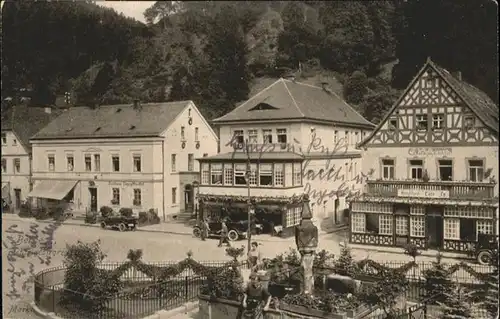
(136,156)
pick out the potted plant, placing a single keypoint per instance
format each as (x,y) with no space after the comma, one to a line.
(137,202)
(114,201)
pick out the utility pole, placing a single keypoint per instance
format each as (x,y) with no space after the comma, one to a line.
(249,201)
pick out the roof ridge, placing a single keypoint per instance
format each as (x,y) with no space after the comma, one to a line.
(293,99)
(253,97)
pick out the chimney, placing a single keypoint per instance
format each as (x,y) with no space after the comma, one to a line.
(458,75)
(48,109)
(137,104)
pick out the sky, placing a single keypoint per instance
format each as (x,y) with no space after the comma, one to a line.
(133,9)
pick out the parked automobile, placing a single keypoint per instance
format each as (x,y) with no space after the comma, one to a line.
(484,247)
(121,222)
(236,229)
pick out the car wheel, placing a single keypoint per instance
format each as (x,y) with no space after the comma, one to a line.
(484,257)
(197,232)
(122,227)
(103,225)
(233,235)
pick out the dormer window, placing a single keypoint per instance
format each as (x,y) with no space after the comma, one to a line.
(263,106)
(469,122)
(393,124)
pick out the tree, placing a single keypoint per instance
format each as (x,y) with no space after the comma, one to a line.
(490,302)
(161,10)
(355,87)
(345,264)
(456,305)
(437,281)
(376,104)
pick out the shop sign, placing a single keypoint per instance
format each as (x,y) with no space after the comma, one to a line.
(430,151)
(422,193)
(126,183)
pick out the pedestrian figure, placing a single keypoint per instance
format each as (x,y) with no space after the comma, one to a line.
(223,234)
(255,298)
(204,229)
(254,256)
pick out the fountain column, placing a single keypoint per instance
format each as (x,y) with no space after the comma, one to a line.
(306,239)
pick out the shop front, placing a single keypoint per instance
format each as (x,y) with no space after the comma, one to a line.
(53,195)
(278,216)
(446,226)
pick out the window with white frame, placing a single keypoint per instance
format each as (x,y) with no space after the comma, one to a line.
(266,175)
(388,169)
(17,165)
(358,222)
(190,162)
(297,174)
(216,174)
(451,228)
(52,162)
(421,120)
(445,168)
(97,162)
(239,137)
(401,225)
(279,175)
(385,224)
(267,136)
(484,227)
(253,175)
(137,197)
(437,121)
(183,133)
(205,174)
(115,163)
(116,196)
(173,160)
(293,216)
(137,163)
(228,174)
(88,162)
(281,135)
(416,169)
(253,137)
(476,170)
(71,162)
(417,226)
(240,174)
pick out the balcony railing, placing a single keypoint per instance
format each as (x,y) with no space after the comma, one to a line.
(254,191)
(410,188)
(267,147)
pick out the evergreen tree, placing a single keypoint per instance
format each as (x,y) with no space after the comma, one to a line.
(355,87)
(490,302)
(437,284)
(456,304)
(345,264)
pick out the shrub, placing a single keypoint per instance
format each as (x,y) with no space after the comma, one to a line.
(345,264)
(412,251)
(25,210)
(226,284)
(41,213)
(106,211)
(148,218)
(126,212)
(438,281)
(87,287)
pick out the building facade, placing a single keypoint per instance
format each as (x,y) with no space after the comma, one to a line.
(135,156)
(19,123)
(435,163)
(296,127)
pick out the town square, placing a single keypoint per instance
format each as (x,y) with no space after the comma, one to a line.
(254,159)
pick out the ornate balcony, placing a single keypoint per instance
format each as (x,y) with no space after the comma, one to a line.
(254,191)
(431,189)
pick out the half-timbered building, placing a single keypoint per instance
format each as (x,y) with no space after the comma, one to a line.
(434,164)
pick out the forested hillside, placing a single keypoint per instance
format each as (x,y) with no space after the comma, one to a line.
(217,53)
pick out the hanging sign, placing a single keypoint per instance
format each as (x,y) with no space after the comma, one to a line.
(422,193)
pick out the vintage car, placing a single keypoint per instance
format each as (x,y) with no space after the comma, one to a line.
(483,250)
(121,222)
(236,229)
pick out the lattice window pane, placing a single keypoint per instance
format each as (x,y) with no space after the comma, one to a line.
(205,174)
(278,175)
(402,225)
(358,221)
(297,174)
(385,224)
(451,228)
(216,174)
(417,226)
(484,227)
(293,216)
(417,210)
(228,174)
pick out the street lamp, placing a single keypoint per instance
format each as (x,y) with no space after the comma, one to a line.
(196,186)
(249,199)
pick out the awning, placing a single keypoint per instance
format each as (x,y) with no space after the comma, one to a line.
(5,190)
(52,189)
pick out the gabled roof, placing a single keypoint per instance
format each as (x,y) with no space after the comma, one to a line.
(151,119)
(287,100)
(478,101)
(25,121)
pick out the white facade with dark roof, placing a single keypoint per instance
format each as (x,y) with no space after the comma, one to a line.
(139,157)
(298,119)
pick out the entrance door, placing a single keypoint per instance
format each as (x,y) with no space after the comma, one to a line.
(434,224)
(93,199)
(17,196)
(335,210)
(188,198)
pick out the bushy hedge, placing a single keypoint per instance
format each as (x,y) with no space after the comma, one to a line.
(148,218)
(126,212)
(106,211)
